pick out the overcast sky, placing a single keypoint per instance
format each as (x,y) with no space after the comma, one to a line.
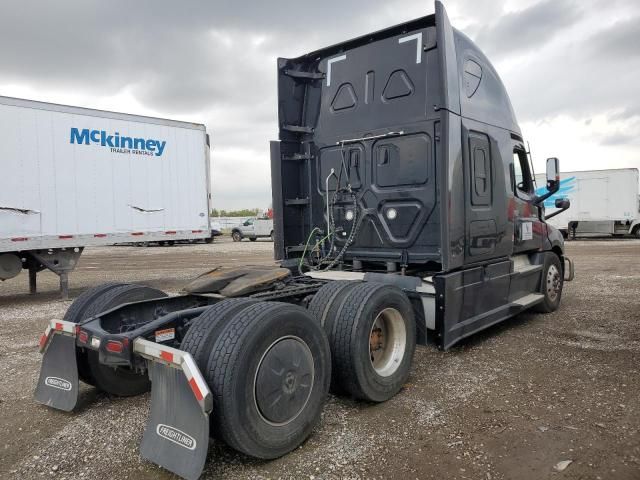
(572,68)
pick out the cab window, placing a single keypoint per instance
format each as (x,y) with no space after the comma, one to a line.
(523,182)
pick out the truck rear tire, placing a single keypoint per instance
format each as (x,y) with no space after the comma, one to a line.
(324,307)
(328,298)
(373,340)
(119,381)
(236,236)
(76,313)
(206,328)
(269,373)
(551,284)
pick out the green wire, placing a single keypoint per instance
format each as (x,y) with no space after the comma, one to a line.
(314,247)
(304,252)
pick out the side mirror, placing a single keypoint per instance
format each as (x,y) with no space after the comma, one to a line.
(553,180)
(553,173)
(561,203)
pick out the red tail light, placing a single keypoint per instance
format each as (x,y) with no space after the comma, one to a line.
(114,346)
(83,336)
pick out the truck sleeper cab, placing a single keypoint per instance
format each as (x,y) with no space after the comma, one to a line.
(404,213)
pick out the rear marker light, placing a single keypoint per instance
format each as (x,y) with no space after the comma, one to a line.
(168,356)
(83,336)
(392,213)
(349,215)
(114,346)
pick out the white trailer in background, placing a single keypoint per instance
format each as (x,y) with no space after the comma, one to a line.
(603,202)
(74,177)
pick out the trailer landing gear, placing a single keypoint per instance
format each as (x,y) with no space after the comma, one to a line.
(60,261)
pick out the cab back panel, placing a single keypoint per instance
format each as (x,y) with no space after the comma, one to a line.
(366,110)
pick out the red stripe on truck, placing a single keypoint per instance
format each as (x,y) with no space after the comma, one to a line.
(20,239)
(196,390)
(65,237)
(170,232)
(196,231)
(168,356)
(99,235)
(137,233)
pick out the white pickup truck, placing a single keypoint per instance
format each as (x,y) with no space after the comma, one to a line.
(253,228)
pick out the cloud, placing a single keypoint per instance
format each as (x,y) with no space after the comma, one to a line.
(528,28)
(563,62)
(619,41)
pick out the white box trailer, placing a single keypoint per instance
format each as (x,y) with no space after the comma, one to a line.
(74,177)
(603,202)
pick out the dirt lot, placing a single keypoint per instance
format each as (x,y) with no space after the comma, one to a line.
(510,403)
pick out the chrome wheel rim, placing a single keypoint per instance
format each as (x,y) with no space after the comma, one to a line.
(387,342)
(554,283)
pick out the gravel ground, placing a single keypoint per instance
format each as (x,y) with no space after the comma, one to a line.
(540,396)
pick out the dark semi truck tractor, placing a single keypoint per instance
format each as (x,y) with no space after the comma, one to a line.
(405,213)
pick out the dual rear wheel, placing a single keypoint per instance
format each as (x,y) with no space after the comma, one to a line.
(372,334)
(118,381)
(268,365)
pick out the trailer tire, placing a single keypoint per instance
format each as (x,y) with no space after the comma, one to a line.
(236,236)
(373,312)
(205,329)
(552,282)
(76,313)
(260,410)
(118,381)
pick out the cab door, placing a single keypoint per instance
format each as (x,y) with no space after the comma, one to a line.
(528,229)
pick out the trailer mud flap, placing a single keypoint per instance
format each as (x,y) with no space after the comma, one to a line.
(58,382)
(177,433)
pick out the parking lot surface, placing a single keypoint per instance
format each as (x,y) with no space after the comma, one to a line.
(521,400)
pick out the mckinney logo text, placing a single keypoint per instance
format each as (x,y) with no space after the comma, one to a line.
(118,143)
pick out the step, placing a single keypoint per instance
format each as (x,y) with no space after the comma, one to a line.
(529,300)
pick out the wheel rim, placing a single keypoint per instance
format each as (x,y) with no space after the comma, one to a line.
(236,237)
(284,380)
(554,283)
(387,342)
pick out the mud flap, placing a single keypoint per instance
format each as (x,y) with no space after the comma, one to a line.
(58,382)
(177,434)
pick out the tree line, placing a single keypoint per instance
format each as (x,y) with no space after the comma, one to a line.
(247,212)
